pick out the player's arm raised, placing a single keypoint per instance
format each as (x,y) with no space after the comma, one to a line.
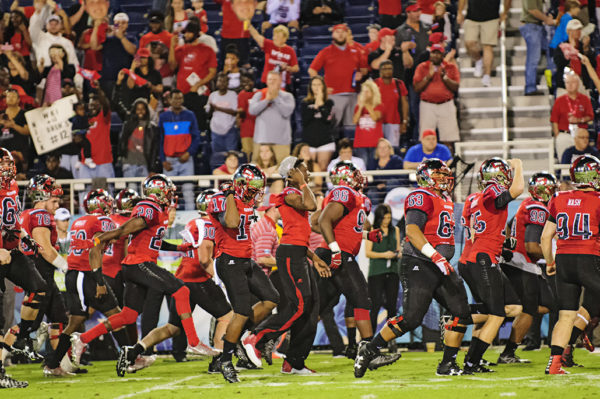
(231,217)
(304,202)
(518,183)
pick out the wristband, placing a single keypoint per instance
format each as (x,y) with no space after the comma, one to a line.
(60,263)
(98,277)
(334,247)
(428,250)
(96,241)
(302,186)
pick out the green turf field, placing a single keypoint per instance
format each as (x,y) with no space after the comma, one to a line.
(413,376)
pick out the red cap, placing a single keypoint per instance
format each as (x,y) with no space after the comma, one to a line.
(340,26)
(428,132)
(270,204)
(437,37)
(437,47)
(143,52)
(413,7)
(385,32)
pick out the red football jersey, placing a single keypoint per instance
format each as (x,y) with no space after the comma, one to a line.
(465,220)
(577,217)
(115,251)
(348,231)
(145,244)
(439,228)
(32,218)
(11,210)
(296,226)
(488,223)
(190,270)
(234,242)
(530,212)
(84,228)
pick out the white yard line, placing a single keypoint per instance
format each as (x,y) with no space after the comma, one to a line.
(158,387)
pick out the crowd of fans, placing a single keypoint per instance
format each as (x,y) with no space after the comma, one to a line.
(183,93)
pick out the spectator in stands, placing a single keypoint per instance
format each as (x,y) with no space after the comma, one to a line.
(222,107)
(234,31)
(441,20)
(570,111)
(42,41)
(245,120)
(427,11)
(317,122)
(373,32)
(390,13)
(437,83)
(91,41)
(58,70)
(53,168)
(118,50)
(582,45)
(177,17)
(264,235)
(571,10)
(282,12)
(200,13)
(15,131)
(179,142)
(17,34)
(321,12)
(266,160)
(426,149)
(481,33)
(343,68)
(532,30)
(345,154)
(20,72)
(278,55)
(144,81)
(273,109)
(197,65)
(388,51)
(99,136)
(384,159)
(394,97)
(230,165)
(232,69)
(138,141)
(157,32)
(581,147)
(302,151)
(367,117)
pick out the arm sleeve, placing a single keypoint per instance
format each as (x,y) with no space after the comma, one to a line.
(285,104)
(533,233)
(318,62)
(167,246)
(256,105)
(416,216)
(503,199)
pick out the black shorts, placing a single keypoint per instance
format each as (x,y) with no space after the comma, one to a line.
(350,281)
(574,271)
(208,296)
(468,278)
(527,287)
(81,290)
(491,285)
(142,276)
(22,272)
(52,306)
(242,277)
(117,285)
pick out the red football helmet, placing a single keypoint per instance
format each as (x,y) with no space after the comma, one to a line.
(585,172)
(126,199)
(98,202)
(249,183)
(542,186)
(159,188)
(203,199)
(495,170)
(434,173)
(346,173)
(225,185)
(8,170)
(42,188)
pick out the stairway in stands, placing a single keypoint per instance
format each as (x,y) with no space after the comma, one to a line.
(481,107)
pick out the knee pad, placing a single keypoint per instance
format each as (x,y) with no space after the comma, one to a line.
(396,325)
(361,314)
(182,300)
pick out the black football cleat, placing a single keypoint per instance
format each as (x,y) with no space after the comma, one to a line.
(228,371)
(246,365)
(8,382)
(363,358)
(351,351)
(383,360)
(267,352)
(486,363)
(123,361)
(448,368)
(213,366)
(568,361)
(470,370)
(511,358)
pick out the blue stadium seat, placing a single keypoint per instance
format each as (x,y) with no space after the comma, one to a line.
(311,31)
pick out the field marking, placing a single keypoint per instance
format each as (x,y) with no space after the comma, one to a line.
(508,394)
(157,387)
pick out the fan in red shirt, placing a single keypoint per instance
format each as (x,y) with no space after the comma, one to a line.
(147,227)
(231,213)
(571,109)
(85,286)
(389,13)
(368,118)
(236,20)
(574,220)
(301,314)
(278,55)
(157,32)
(394,97)
(91,41)
(196,271)
(246,119)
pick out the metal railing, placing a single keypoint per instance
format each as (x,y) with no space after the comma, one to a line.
(504,88)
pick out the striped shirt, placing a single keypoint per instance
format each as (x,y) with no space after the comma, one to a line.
(264,239)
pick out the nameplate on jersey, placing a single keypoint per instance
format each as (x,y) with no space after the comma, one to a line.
(574,202)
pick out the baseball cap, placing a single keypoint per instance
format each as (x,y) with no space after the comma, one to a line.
(121,17)
(437,37)
(340,26)
(386,32)
(53,17)
(413,7)
(374,26)
(286,165)
(268,205)
(574,24)
(62,214)
(429,132)
(437,47)
(143,52)
(156,16)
